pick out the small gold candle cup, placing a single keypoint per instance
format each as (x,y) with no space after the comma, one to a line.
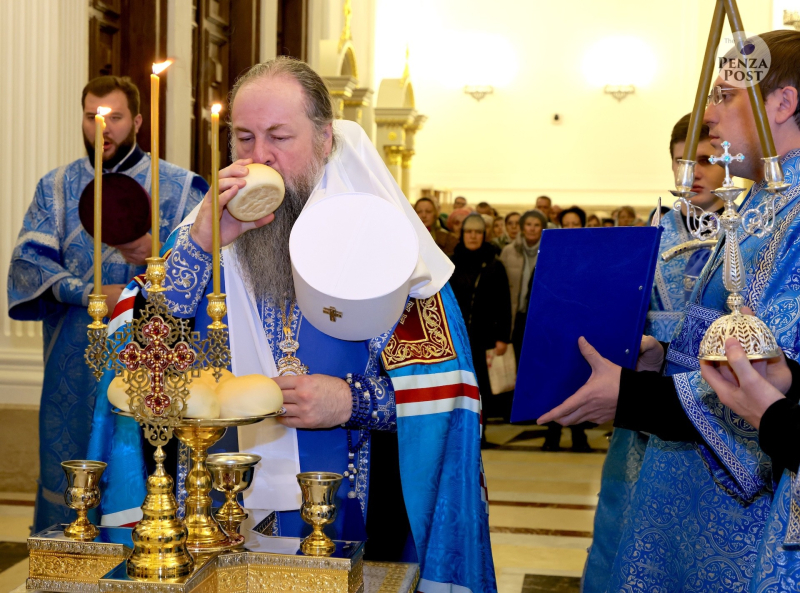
(82,494)
(318,509)
(231,473)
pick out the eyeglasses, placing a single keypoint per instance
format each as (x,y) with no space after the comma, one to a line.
(720,94)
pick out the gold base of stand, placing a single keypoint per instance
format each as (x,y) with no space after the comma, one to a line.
(159,539)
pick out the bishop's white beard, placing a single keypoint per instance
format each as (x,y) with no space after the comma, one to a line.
(263,253)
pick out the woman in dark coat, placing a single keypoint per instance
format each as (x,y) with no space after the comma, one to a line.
(480,285)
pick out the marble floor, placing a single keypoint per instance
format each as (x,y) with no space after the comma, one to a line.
(541,510)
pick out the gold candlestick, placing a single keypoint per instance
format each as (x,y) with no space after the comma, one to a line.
(216,301)
(155,153)
(97,301)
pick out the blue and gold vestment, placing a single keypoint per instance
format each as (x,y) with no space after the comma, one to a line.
(699,509)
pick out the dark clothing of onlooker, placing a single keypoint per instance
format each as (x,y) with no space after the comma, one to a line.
(480,285)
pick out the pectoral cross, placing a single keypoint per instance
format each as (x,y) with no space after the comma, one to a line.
(332,312)
(157,358)
(726,160)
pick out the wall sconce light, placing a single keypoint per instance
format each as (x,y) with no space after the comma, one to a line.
(791,18)
(478,92)
(619,91)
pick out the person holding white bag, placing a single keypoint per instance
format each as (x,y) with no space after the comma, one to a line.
(480,284)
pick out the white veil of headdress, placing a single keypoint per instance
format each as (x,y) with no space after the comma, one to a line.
(357,167)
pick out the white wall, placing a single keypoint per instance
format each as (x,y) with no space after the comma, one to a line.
(507,149)
(45,47)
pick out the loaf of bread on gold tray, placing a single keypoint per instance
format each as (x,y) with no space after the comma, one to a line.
(201,402)
(261,196)
(116,394)
(207,377)
(249,395)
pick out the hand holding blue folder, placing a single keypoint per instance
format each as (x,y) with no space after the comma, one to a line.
(594,283)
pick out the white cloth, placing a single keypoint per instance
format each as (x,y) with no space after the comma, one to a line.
(354,167)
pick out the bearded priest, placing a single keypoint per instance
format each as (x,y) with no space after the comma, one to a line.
(414,483)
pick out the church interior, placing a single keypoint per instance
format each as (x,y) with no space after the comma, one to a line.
(498,102)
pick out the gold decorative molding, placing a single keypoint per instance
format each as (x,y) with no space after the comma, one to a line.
(407,156)
(347,33)
(53,566)
(394,154)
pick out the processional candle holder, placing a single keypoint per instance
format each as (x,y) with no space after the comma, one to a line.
(157,353)
(754,335)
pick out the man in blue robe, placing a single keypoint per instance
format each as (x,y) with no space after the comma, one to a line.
(705,489)
(414,483)
(50,277)
(672,286)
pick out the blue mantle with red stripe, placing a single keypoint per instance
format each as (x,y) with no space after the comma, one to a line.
(438,426)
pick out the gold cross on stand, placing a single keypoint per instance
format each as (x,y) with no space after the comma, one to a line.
(332,312)
(157,357)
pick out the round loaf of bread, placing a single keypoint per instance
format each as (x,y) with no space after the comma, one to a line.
(207,377)
(261,196)
(117,396)
(202,402)
(249,395)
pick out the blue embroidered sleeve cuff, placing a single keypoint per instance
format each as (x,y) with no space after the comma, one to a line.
(373,404)
(188,272)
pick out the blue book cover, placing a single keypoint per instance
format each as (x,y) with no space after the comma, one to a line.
(594,283)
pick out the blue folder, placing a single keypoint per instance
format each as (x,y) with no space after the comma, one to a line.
(594,283)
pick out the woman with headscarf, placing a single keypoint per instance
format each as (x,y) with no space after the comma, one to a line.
(480,285)
(429,215)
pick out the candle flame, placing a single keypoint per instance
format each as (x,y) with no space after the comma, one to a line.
(216,108)
(103,110)
(159,68)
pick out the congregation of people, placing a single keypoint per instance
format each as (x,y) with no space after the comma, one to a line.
(495,259)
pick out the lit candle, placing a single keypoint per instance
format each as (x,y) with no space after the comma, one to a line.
(99,126)
(154,155)
(215,109)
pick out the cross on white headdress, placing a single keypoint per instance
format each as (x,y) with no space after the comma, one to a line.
(726,160)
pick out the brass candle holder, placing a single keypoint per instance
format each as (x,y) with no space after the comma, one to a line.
(318,509)
(82,494)
(232,473)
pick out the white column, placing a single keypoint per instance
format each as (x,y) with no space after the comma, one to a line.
(180,19)
(44,67)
